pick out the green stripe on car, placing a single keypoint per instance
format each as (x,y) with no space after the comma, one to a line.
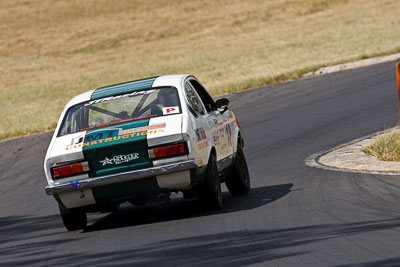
(122,88)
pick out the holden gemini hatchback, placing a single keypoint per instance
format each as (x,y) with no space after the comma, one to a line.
(140,141)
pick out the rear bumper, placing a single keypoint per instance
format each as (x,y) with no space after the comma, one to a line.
(123,177)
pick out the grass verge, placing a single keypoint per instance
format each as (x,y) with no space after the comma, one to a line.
(386,146)
(53,50)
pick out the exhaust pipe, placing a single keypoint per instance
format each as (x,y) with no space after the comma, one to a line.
(162,198)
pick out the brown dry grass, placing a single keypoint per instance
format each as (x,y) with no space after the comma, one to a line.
(386,147)
(51,50)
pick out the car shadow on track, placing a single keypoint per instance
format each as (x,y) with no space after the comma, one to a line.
(239,248)
(39,240)
(182,209)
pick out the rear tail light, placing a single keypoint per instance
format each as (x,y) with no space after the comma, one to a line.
(69,170)
(168,151)
(238,124)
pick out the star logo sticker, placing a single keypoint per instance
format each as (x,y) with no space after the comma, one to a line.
(106,161)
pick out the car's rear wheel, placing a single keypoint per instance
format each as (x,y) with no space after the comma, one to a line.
(73,220)
(238,181)
(210,191)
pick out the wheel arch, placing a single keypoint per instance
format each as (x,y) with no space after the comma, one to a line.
(240,140)
(213,151)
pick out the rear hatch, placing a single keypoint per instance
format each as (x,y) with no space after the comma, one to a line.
(119,148)
(113,132)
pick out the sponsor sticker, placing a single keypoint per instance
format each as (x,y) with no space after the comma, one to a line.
(104,136)
(229,132)
(216,140)
(116,160)
(202,145)
(218,123)
(170,110)
(141,129)
(75,184)
(119,96)
(201,134)
(118,122)
(77,140)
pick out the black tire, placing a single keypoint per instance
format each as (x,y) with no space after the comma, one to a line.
(210,190)
(238,181)
(73,220)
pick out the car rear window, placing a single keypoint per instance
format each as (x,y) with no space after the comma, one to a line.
(135,105)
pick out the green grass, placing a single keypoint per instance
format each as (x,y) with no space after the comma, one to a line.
(386,146)
(53,50)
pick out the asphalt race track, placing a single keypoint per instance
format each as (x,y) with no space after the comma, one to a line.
(294,215)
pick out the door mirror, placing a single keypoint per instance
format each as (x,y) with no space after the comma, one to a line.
(222,103)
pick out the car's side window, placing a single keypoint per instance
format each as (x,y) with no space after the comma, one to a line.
(194,100)
(205,97)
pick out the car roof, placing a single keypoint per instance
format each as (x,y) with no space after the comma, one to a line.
(115,89)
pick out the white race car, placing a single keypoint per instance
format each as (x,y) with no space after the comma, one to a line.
(139,141)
